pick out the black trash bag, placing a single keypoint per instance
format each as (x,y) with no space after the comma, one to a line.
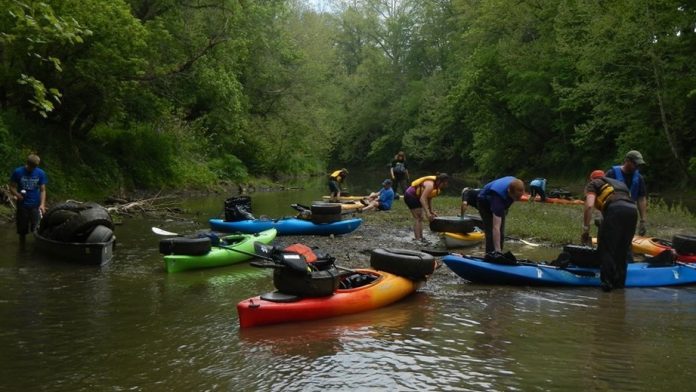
(238,208)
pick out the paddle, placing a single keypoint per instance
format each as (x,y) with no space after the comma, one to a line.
(159,231)
(522,241)
(439,253)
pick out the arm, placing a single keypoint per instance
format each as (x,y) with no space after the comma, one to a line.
(13,189)
(391,171)
(587,217)
(424,201)
(463,208)
(497,240)
(643,208)
(42,206)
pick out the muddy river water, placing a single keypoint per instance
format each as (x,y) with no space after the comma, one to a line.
(128,325)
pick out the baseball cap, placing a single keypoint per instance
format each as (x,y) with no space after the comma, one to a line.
(636,157)
(596,174)
(387,182)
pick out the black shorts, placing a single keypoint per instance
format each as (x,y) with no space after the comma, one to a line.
(411,201)
(27,219)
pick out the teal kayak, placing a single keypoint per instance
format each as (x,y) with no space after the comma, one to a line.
(233,249)
(287,226)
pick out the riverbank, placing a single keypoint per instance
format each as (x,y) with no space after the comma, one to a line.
(551,226)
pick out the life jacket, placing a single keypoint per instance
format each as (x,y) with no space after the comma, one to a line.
(611,191)
(500,187)
(399,167)
(634,182)
(418,185)
(337,176)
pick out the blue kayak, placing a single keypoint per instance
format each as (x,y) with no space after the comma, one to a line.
(477,270)
(286,226)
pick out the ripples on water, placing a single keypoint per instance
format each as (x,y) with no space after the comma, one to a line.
(130,326)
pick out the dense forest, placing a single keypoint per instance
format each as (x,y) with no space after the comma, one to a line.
(148,94)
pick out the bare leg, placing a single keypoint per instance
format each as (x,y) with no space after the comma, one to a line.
(418,226)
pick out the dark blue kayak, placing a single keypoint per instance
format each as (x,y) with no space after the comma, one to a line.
(477,270)
(286,226)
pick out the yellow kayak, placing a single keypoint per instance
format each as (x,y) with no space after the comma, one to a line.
(459,240)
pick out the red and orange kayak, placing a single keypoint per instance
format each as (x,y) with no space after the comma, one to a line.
(654,246)
(553,200)
(384,290)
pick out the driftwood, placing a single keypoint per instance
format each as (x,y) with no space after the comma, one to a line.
(159,206)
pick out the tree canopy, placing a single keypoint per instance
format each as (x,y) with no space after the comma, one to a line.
(164,93)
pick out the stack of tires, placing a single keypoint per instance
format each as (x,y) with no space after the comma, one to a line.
(77,222)
(326,212)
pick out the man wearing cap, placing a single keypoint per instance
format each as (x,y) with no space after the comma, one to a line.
(612,198)
(381,200)
(628,173)
(494,200)
(28,186)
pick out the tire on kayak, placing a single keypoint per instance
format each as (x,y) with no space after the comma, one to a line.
(455,224)
(185,246)
(325,209)
(77,228)
(99,234)
(408,263)
(316,284)
(684,244)
(328,218)
(582,256)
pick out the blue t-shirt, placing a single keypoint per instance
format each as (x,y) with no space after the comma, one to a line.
(30,182)
(386,197)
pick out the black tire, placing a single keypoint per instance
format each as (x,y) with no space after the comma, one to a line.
(318,219)
(77,228)
(99,234)
(403,262)
(582,256)
(59,214)
(185,246)
(684,244)
(316,284)
(326,208)
(454,224)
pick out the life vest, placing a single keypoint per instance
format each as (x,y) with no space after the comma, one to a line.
(337,176)
(634,182)
(418,185)
(612,190)
(500,187)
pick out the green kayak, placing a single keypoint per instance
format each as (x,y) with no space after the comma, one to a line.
(233,249)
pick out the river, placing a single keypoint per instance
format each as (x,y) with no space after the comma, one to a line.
(128,325)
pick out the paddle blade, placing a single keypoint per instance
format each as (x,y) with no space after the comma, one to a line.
(262,249)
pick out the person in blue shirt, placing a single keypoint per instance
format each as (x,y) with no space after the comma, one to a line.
(493,202)
(628,173)
(381,200)
(537,187)
(28,186)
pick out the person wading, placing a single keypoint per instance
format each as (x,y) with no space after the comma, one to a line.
(612,198)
